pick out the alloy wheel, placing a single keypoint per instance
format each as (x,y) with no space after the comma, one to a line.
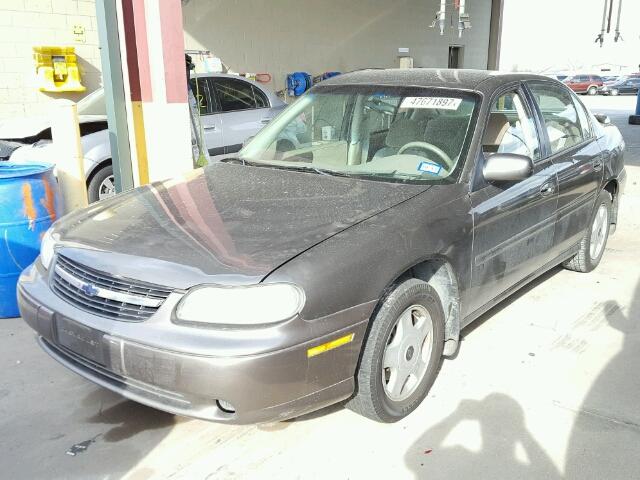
(406,357)
(107,188)
(599,232)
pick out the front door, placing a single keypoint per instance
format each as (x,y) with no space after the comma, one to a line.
(577,158)
(514,222)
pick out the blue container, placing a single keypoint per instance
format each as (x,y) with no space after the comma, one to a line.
(29,204)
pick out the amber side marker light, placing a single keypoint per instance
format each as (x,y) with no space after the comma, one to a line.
(325,347)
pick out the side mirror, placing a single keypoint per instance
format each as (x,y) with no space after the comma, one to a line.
(247,140)
(507,167)
(602,118)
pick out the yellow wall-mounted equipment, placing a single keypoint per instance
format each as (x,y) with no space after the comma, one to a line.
(57,69)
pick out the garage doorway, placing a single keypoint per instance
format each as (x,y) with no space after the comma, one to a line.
(455,56)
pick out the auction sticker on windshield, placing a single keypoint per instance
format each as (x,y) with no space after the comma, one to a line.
(444,103)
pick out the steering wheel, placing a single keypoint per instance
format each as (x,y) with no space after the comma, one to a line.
(431,148)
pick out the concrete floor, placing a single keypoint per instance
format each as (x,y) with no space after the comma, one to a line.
(545,386)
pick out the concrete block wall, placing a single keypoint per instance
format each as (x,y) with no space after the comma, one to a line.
(28,23)
(282,36)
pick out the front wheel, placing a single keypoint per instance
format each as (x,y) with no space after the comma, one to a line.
(614,92)
(592,90)
(595,238)
(402,354)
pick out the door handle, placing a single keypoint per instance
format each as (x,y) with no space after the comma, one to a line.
(210,127)
(266,120)
(547,189)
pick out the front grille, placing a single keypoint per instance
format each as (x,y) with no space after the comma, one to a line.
(101,294)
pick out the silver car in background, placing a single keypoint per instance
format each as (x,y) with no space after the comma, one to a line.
(232,109)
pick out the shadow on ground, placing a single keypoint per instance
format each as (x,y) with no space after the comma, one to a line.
(608,424)
(604,441)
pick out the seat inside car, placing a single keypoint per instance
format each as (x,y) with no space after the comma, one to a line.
(401,132)
(447,132)
(496,129)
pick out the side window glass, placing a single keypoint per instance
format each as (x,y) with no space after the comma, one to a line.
(261,98)
(200,91)
(234,94)
(510,128)
(582,117)
(561,118)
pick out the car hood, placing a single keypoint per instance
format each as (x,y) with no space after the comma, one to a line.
(226,223)
(25,128)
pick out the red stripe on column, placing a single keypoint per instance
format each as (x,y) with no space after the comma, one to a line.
(135,37)
(175,74)
(142,44)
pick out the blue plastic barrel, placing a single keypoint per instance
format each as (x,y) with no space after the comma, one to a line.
(29,204)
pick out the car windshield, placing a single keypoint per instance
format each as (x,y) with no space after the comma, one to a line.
(397,134)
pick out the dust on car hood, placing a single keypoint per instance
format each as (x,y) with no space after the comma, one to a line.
(225,223)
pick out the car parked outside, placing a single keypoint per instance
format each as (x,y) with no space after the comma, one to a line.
(232,110)
(282,280)
(587,84)
(629,85)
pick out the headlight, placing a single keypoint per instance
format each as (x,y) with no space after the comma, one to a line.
(254,305)
(46,248)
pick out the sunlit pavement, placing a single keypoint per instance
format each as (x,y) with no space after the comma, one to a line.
(545,386)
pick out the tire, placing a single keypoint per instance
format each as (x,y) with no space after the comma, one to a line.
(587,257)
(96,187)
(372,398)
(614,92)
(592,90)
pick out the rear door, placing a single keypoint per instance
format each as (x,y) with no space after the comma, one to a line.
(575,153)
(210,121)
(244,110)
(514,222)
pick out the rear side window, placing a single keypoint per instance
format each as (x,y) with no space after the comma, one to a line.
(582,117)
(261,98)
(561,118)
(234,95)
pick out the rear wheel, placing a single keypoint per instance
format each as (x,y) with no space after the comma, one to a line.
(592,90)
(402,354)
(102,185)
(595,238)
(614,92)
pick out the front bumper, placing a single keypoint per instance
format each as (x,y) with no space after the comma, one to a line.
(150,362)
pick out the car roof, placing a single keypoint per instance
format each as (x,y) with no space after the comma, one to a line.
(480,80)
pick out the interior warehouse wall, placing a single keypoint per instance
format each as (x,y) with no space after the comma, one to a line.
(283,36)
(28,23)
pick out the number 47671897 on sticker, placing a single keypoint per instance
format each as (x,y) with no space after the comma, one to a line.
(444,103)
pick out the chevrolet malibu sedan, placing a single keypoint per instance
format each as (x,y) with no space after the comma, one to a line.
(341,266)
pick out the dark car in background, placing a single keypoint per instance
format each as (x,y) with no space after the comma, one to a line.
(587,84)
(339,266)
(625,86)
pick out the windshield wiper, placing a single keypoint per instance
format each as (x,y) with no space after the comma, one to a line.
(300,168)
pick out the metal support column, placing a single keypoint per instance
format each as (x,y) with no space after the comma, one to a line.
(114,93)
